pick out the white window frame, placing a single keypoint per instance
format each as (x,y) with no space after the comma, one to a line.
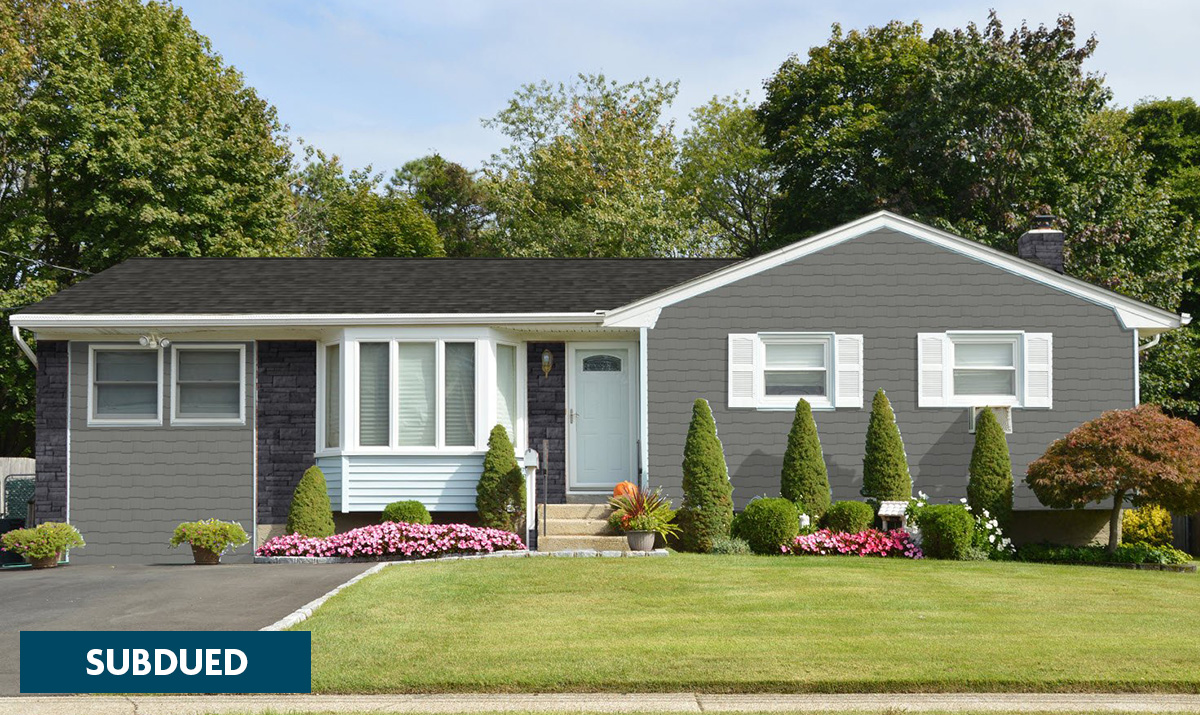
(788,402)
(176,419)
(1015,339)
(322,448)
(93,419)
(519,368)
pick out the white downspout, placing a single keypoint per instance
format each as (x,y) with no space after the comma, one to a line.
(1152,343)
(16,333)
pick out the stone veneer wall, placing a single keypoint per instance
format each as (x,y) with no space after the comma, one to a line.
(50,443)
(287,422)
(547,397)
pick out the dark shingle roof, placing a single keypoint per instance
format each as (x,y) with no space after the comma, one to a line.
(372,285)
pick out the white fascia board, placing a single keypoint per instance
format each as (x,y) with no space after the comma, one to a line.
(198,320)
(1132,314)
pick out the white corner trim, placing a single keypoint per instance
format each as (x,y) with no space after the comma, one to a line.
(1131,313)
(170,320)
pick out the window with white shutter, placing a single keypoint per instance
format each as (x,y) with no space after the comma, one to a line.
(974,368)
(776,370)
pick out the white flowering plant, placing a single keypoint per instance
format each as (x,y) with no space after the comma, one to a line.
(989,538)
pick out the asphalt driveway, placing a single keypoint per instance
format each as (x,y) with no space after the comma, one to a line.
(229,597)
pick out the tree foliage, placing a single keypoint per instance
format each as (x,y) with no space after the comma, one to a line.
(500,493)
(725,165)
(590,172)
(122,134)
(1137,456)
(885,465)
(348,214)
(707,510)
(990,484)
(805,478)
(974,130)
(451,197)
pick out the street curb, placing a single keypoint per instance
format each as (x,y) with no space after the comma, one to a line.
(601,703)
(305,612)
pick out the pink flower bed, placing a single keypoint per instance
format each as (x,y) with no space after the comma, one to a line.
(398,540)
(865,543)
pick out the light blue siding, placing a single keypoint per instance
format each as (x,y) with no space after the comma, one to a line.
(331,467)
(440,482)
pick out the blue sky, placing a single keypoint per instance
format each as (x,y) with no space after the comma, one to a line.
(383,82)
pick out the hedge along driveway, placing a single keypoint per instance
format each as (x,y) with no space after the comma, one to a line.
(758,624)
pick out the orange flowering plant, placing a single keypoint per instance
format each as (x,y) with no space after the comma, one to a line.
(641,510)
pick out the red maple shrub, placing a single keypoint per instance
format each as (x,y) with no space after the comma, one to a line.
(1137,456)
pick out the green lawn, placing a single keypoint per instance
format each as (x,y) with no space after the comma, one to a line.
(758,624)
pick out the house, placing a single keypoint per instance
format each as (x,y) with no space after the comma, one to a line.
(176,389)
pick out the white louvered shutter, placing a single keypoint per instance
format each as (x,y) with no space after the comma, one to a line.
(933,359)
(849,371)
(742,351)
(1039,368)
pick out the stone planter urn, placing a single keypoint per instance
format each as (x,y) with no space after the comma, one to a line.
(44,562)
(640,540)
(204,557)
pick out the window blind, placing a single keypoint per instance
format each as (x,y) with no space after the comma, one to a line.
(333,396)
(460,394)
(373,411)
(417,367)
(506,388)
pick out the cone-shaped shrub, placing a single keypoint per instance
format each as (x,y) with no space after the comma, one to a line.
(885,466)
(805,480)
(310,514)
(991,483)
(500,494)
(707,509)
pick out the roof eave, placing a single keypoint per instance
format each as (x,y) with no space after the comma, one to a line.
(37,321)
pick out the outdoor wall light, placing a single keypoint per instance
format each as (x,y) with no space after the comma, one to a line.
(153,341)
(547,362)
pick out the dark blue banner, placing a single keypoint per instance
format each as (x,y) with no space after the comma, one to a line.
(166,661)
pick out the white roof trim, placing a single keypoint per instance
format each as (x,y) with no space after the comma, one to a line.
(172,320)
(1133,314)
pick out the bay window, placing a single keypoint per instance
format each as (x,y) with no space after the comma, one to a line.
(417,394)
(506,388)
(373,394)
(333,396)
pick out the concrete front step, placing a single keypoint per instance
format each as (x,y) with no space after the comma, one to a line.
(578,527)
(574,511)
(574,543)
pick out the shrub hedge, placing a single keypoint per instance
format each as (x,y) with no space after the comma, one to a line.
(1124,554)
(946,531)
(1148,524)
(767,524)
(310,514)
(848,517)
(408,512)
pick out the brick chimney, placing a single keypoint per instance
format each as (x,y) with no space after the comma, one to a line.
(1042,244)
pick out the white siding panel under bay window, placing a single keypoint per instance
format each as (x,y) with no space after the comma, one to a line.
(440,482)
(331,467)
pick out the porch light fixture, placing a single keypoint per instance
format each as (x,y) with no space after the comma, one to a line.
(547,362)
(154,341)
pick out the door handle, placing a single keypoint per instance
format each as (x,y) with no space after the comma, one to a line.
(573,415)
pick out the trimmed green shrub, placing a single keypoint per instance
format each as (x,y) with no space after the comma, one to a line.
(407,512)
(1148,524)
(885,465)
(500,494)
(1123,554)
(707,509)
(310,513)
(805,480)
(849,517)
(767,524)
(946,531)
(730,546)
(990,486)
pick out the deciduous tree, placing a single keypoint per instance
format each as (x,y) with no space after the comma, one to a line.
(1136,456)
(451,197)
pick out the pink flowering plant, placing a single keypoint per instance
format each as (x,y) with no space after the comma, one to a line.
(397,540)
(872,542)
(43,540)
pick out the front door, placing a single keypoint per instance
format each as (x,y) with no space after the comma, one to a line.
(601,409)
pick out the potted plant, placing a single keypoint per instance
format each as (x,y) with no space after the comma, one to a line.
(43,546)
(209,538)
(642,515)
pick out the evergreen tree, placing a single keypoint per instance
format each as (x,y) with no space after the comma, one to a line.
(310,513)
(885,465)
(991,483)
(805,480)
(707,510)
(500,494)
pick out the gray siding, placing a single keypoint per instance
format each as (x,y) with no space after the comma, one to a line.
(888,287)
(50,443)
(287,422)
(131,486)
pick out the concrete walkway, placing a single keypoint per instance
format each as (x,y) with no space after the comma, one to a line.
(600,703)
